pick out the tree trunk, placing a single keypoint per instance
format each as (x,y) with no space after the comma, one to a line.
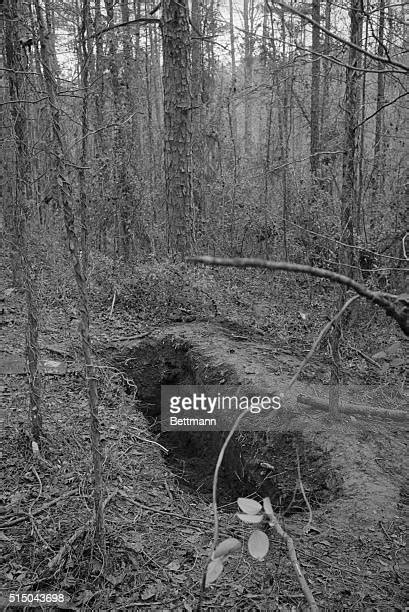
(197,140)
(315,90)
(248,18)
(17,64)
(84,62)
(283,134)
(178,125)
(233,75)
(378,169)
(348,192)
(63,163)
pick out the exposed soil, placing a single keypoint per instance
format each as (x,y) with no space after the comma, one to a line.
(354,455)
(159,522)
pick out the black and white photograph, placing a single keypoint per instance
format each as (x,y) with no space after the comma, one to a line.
(204,305)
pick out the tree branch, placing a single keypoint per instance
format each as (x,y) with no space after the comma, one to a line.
(124,24)
(377,58)
(378,110)
(395,306)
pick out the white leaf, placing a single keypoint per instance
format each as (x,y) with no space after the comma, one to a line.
(249,506)
(250,518)
(227,547)
(214,569)
(258,544)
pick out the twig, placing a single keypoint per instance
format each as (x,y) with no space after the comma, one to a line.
(123,25)
(214,502)
(149,441)
(366,357)
(77,533)
(40,489)
(112,306)
(379,58)
(109,497)
(134,337)
(300,484)
(273,522)
(157,511)
(320,336)
(20,519)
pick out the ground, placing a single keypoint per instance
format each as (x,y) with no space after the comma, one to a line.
(158,515)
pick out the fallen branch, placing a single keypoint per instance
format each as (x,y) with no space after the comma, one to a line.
(75,536)
(319,404)
(395,306)
(135,502)
(273,522)
(134,337)
(365,356)
(64,549)
(20,519)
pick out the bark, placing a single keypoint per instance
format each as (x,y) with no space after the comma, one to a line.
(283,135)
(197,146)
(99,77)
(359,214)
(17,63)
(64,185)
(378,170)
(233,74)
(248,14)
(315,89)
(326,64)
(351,105)
(178,125)
(349,190)
(84,60)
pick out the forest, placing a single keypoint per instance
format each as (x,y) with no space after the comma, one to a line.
(204,199)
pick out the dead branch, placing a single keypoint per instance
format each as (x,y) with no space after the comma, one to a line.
(63,550)
(395,306)
(319,404)
(273,522)
(379,58)
(20,519)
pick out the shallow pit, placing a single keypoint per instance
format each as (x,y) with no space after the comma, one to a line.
(256,463)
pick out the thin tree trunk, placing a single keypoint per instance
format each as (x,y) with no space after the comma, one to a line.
(283,134)
(17,64)
(315,90)
(248,75)
(197,144)
(233,74)
(66,197)
(85,58)
(348,192)
(326,72)
(379,170)
(359,217)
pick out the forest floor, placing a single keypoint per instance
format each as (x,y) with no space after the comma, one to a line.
(158,515)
